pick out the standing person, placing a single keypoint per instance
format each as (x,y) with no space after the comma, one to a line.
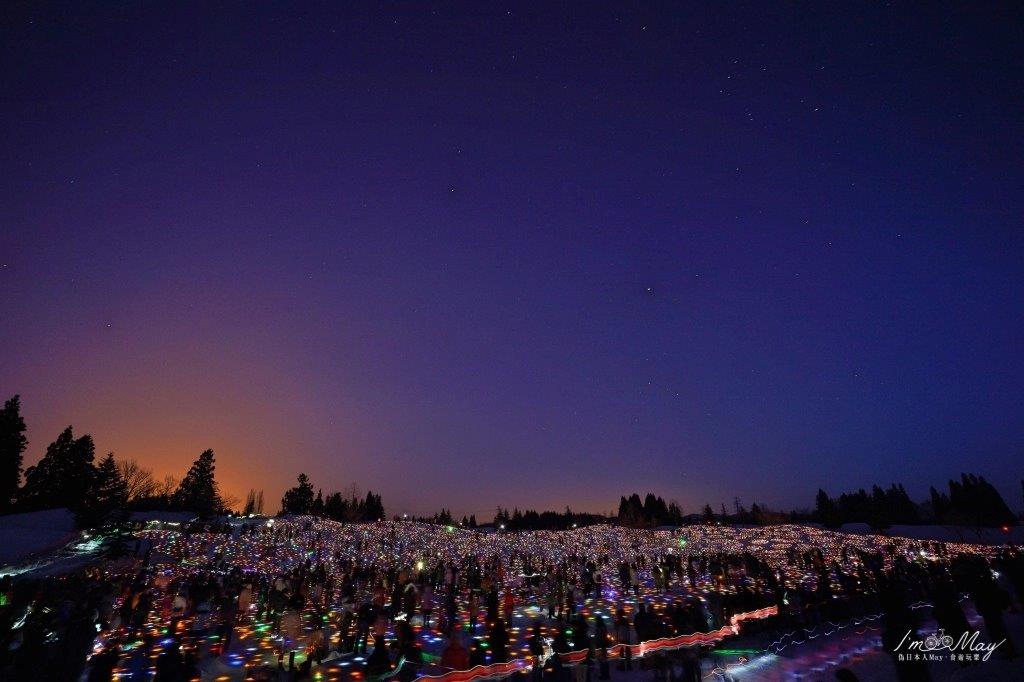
(580,633)
(601,646)
(570,601)
(581,642)
(378,663)
(492,604)
(409,599)
(427,604)
(364,616)
(291,630)
(946,608)
(497,640)
(319,641)
(624,636)
(641,623)
(409,650)
(245,599)
(537,650)
(991,600)
(552,598)
(900,622)
(450,609)
(474,606)
(508,604)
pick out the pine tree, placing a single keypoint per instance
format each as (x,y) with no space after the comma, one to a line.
(675,514)
(198,490)
(107,501)
(63,476)
(298,500)
(12,448)
(373,507)
(250,503)
(825,510)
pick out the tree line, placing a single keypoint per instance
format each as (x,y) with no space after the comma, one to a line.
(103,492)
(546,520)
(651,512)
(99,493)
(345,507)
(971,501)
(441,518)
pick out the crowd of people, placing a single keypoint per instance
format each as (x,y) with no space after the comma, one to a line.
(303,597)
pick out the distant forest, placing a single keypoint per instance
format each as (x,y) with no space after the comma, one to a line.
(102,493)
(971,501)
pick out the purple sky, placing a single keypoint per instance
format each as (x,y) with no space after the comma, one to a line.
(533,254)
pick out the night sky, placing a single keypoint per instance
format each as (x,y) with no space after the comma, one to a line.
(527,254)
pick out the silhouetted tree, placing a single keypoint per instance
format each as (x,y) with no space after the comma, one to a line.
(250,503)
(825,510)
(939,502)
(880,508)
(373,507)
(12,448)
(107,501)
(675,514)
(63,477)
(165,488)
(139,482)
(298,500)
(975,501)
(741,512)
(198,490)
(631,511)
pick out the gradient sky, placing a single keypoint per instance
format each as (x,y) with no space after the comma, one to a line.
(534,254)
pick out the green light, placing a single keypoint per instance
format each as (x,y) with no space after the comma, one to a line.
(737,652)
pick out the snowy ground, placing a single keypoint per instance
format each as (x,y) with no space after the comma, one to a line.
(858,648)
(25,535)
(47,543)
(988,536)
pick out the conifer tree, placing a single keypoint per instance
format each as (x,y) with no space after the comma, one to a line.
(198,490)
(12,448)
(63,476)
(298,500)
(107,501)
